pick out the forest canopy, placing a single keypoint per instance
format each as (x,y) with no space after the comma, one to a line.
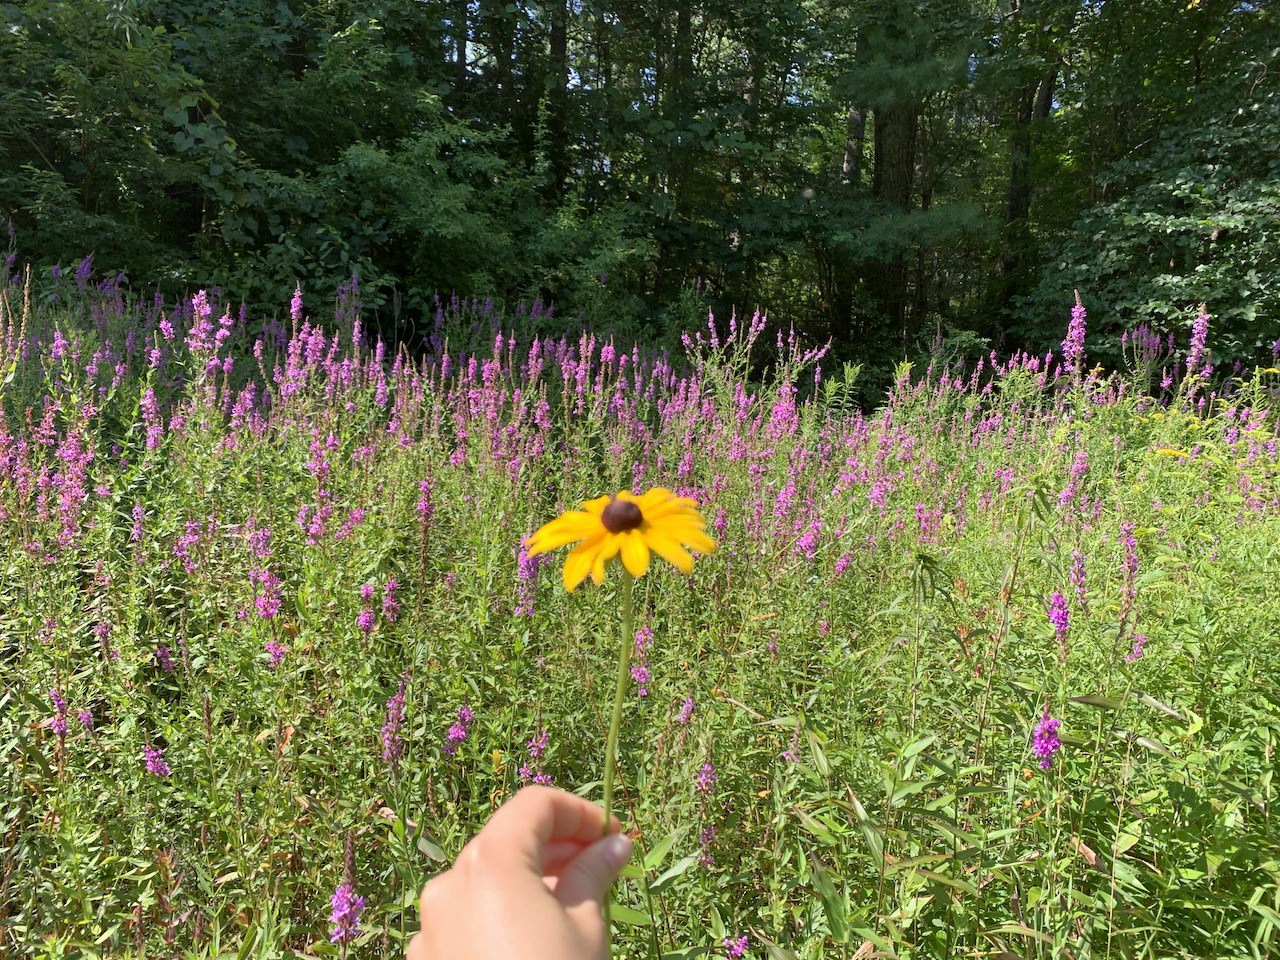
(883,173)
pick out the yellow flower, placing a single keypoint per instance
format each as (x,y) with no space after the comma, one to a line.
(628,526)
(1170,452)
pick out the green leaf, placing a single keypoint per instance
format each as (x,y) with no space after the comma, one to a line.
(430,848)
(1020,930)
(1129,835)
(632,871)
(832,906)
(621,913)
(658,852)
(775,951)
(679,867)
(869,830)
(1103,703)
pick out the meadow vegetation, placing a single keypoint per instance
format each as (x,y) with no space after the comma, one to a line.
(984,670)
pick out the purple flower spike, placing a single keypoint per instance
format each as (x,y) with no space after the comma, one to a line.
(276,651)
(458,731)
(686,712)
(1138,650)
(1044,740)
(155,761)
(706,779)
(345,915)
(1059,616)
(1073,345)
(392,742)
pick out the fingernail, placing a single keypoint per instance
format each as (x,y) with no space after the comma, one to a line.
(617,850)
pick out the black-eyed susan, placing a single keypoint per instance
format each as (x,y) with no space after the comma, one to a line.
(626,526)
(631,528)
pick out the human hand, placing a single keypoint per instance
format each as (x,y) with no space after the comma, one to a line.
(529,885)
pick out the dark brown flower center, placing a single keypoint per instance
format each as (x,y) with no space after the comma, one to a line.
(621,515)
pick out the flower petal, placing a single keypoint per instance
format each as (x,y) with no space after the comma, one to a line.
(596,507)
(669,550)
(608,550)
(677,506)
(697,540)
(635,554)
(652,499)
(578,564)
(563,530)
(679,521)
(685,532)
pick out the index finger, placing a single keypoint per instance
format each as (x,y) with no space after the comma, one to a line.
(537,816)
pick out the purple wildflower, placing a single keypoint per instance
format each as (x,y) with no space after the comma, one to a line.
(345,915)
(1044,740)
(1078,575)
(458,731)
(267,601)
(792,753)
(425,507)
(538,745)
(640,675)
(1059,616)
(259,540)
(705,782)
(735,948)
(86,719)
(643,641)
(1130,543)
(164,658)
(531,770)
(1079,467)
(392,742)
(1199,338)
(807,543)
(640,669)
(390,605)
(1136,652)
(276,651)
(526,579)
(686,711)
(706,840)
(155,761)
(1073,345)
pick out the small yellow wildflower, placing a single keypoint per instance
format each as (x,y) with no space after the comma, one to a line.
(1170,452)
(628,526)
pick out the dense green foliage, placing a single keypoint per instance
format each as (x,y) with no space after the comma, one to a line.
(886,172)
(861,663)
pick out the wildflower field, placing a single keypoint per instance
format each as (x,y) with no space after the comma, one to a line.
(985,670)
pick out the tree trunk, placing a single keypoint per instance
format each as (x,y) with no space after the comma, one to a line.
(678,108)
(1035,103)
(460,37)
(892,178)
(558,97)
(851,168)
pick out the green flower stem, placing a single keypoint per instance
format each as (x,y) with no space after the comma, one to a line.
(619,695)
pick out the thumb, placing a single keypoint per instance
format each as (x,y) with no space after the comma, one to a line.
(588,875)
